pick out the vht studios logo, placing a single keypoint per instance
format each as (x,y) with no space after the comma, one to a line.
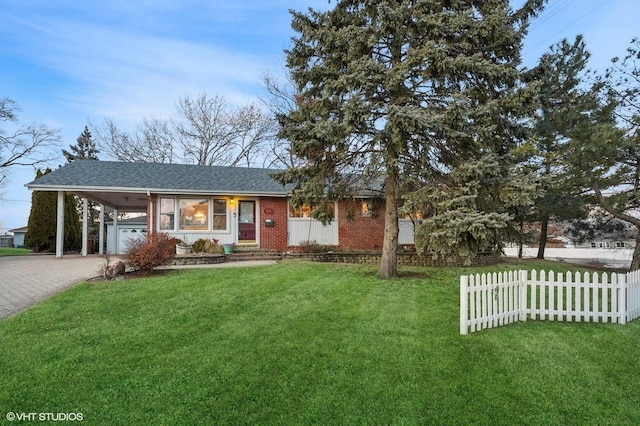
(44,417)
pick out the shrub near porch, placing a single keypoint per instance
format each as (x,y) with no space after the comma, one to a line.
(307,343)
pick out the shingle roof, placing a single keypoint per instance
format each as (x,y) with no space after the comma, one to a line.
(160,177)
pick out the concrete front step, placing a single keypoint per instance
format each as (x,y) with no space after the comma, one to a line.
(240,253)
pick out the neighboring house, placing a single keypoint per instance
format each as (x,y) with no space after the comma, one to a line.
(604,250)
(18,236)
(608,243)
(235,205)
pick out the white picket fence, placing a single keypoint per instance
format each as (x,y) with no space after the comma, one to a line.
(494,300)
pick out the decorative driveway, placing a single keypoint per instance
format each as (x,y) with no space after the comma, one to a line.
(25,280)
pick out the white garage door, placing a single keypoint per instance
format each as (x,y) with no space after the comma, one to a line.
(127,234)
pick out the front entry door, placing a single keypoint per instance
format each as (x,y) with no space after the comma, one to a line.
(247,221)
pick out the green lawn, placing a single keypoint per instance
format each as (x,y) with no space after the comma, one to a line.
(10,251)
(307,343)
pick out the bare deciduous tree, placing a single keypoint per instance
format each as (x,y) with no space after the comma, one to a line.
(151,142)
(281,101)
(23,145)
(206,131)
(253,128)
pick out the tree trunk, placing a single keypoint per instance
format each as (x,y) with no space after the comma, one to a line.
(521,240)
(635,262)
(544,231)
(389,260)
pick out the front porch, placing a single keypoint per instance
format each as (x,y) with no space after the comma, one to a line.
(227,219)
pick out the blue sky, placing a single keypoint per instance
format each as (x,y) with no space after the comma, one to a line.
(68,62)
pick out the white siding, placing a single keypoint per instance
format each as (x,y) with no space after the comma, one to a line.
(307,230)
(406,231)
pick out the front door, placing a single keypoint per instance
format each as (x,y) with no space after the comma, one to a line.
(247,221)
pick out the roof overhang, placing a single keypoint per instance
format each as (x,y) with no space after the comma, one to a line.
(136,199)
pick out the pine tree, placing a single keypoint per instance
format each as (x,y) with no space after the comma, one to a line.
(564,103)
(84,149)
(402,92)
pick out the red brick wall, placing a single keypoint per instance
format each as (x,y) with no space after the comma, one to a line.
(359,233)
(152,205)
(355,232)
(274,238)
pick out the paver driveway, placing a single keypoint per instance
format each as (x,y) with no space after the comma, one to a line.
(25,280)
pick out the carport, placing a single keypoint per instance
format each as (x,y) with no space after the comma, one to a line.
(82,183)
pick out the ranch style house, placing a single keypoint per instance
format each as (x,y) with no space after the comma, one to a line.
(234,205)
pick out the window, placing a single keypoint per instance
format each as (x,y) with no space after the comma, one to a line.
(219,214)
(366,210)
(413,216)
(307,211)
(303,211)
(619,244)
(194,214)
(167,214)
(594,245)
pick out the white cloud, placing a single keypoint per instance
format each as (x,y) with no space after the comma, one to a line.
(104,66)
(123,73)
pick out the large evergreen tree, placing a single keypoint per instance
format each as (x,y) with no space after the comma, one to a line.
(41,232)
(41,227)
(402,92)
(565,103)
(604,153)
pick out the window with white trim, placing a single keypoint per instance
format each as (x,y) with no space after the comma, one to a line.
(167,214)
(219,214)
(193,214)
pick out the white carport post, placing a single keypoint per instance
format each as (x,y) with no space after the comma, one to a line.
(115,231)
(60,225)
(101,233)
(85,225)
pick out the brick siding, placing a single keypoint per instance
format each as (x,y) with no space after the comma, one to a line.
(275,209)
(357,232)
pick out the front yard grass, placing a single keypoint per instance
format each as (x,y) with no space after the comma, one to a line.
(308,343)
(11,251)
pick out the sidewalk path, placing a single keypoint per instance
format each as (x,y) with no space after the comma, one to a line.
(26,280)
